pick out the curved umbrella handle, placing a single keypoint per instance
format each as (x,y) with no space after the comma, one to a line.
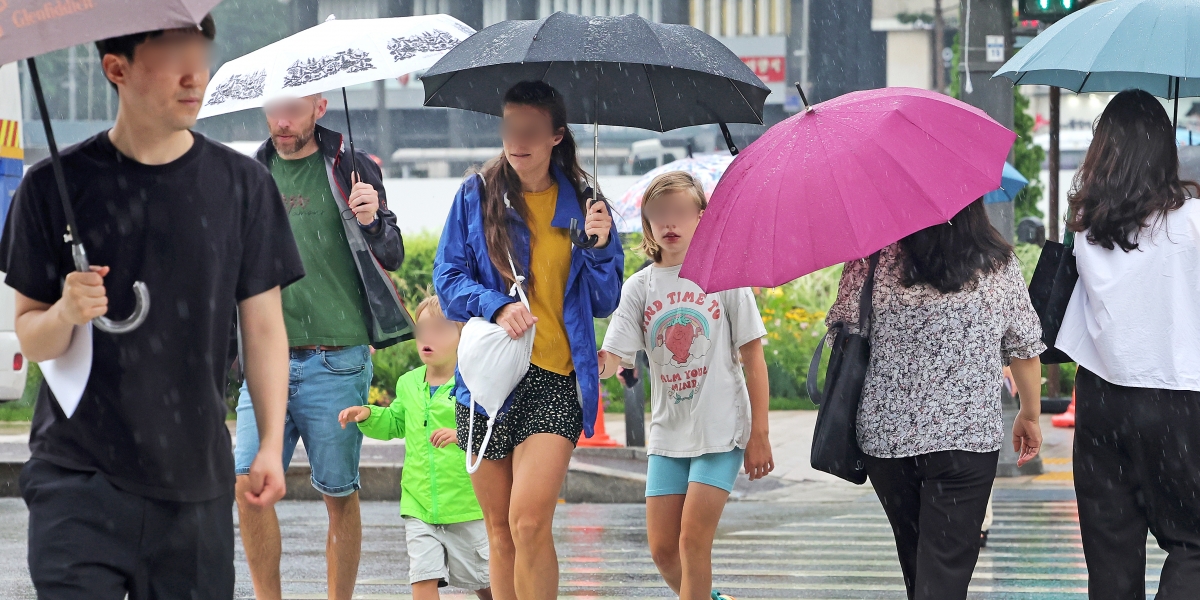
(140,310)
(141,293)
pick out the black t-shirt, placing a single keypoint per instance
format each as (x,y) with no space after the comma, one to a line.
(203,232)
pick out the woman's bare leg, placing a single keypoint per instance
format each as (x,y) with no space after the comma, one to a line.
(493,484)
(539,468)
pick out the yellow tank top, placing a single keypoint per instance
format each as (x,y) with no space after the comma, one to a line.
(550,262)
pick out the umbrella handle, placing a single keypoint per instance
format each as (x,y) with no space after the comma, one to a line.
(141,294)
(578,237)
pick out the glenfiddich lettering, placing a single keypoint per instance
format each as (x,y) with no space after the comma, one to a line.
(24,17)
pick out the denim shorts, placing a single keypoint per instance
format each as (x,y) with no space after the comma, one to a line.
(666,475)
(321,383)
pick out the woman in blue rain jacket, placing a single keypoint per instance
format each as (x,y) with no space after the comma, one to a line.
(522,206)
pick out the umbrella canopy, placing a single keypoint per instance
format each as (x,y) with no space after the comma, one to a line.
(706,168)
(1115,46)
(1011,184)
(622,71)
(842,180)
(32,27)
(332,55)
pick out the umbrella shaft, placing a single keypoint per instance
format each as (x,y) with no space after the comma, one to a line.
(55,161)
(350,135)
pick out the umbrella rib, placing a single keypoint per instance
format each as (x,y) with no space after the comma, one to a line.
(751,106)
(439,88)
(653,95)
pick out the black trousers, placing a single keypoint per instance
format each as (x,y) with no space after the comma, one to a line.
(88,539)
(1137,468)
(935,503)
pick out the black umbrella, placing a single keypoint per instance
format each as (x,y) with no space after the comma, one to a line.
(623,71)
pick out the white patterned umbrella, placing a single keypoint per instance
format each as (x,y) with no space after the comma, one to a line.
(334,54)
(706,168)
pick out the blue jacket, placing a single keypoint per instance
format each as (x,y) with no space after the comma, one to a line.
(469,286)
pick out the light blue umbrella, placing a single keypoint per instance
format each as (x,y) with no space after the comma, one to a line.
(1115,46)
(1011,184)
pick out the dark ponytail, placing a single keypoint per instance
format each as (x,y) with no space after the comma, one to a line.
(499,176)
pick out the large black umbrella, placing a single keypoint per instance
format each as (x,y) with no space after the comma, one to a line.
(623,71)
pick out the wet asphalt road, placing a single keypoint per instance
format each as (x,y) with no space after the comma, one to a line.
(780,549)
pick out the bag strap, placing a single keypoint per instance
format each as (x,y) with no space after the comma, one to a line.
(1069,239)
(865,307)
(518,286)
(865,298)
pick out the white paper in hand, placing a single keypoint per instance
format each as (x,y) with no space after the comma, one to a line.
(68,374)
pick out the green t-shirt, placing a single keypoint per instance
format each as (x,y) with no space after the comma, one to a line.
(327,307)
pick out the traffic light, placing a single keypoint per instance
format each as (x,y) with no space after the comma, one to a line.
(1049,10)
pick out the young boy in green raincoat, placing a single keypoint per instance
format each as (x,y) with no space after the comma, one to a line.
(443,524)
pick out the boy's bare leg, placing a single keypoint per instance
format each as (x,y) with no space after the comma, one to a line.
(664,516)
(493,487)
(343,545)
(425,590)
(702,510)
(484,594)
(260,538)
(539,468)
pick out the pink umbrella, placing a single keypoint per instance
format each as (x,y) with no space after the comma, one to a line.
(841,180)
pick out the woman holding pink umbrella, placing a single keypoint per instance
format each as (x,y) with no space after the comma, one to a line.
(951,309)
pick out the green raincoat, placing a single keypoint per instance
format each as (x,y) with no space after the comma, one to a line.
(434,487)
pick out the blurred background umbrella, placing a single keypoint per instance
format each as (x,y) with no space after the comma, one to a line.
(624,71)
(81,23)
(841,180)
(706,168)
(1011,184)
(334,54)
(1114,46)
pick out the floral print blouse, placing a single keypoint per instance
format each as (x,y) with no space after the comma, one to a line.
(937,359)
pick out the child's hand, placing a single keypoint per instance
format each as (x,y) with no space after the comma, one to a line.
(354,414)
(759,460)
(609,363)
(443,437)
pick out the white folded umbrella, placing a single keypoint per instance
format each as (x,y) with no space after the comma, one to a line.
(334,54)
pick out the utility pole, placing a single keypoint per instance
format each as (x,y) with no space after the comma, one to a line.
(987,37)
(939,45)
(1053,377)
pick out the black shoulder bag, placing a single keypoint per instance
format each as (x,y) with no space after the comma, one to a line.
(835,447)
(1050,291)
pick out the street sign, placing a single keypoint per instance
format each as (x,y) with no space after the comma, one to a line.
(995,48)
(1049,10)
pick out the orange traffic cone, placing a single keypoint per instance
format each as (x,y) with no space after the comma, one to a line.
(600,438)
(1067,419)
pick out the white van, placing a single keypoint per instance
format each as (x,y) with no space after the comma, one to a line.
(13,366)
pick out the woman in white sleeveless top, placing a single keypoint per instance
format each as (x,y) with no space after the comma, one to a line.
(1133,326)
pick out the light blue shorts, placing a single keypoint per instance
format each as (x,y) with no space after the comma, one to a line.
(321,383)
(666,475)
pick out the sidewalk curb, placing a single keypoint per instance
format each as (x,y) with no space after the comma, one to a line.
(381,482)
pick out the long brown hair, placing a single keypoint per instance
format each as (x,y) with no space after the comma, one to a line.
(500,177)
(1130,176)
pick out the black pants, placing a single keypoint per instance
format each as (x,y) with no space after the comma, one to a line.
(935,503)
(1137,468)
(88,539)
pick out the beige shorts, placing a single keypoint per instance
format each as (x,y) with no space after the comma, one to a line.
(456,554)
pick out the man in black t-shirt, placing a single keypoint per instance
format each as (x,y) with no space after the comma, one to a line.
(133,493)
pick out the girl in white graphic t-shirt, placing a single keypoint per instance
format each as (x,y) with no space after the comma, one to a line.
(708,386)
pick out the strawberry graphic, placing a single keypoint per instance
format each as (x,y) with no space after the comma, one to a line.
(679,334)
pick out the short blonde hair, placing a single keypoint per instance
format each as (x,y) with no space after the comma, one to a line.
(434,306)
(667,183)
